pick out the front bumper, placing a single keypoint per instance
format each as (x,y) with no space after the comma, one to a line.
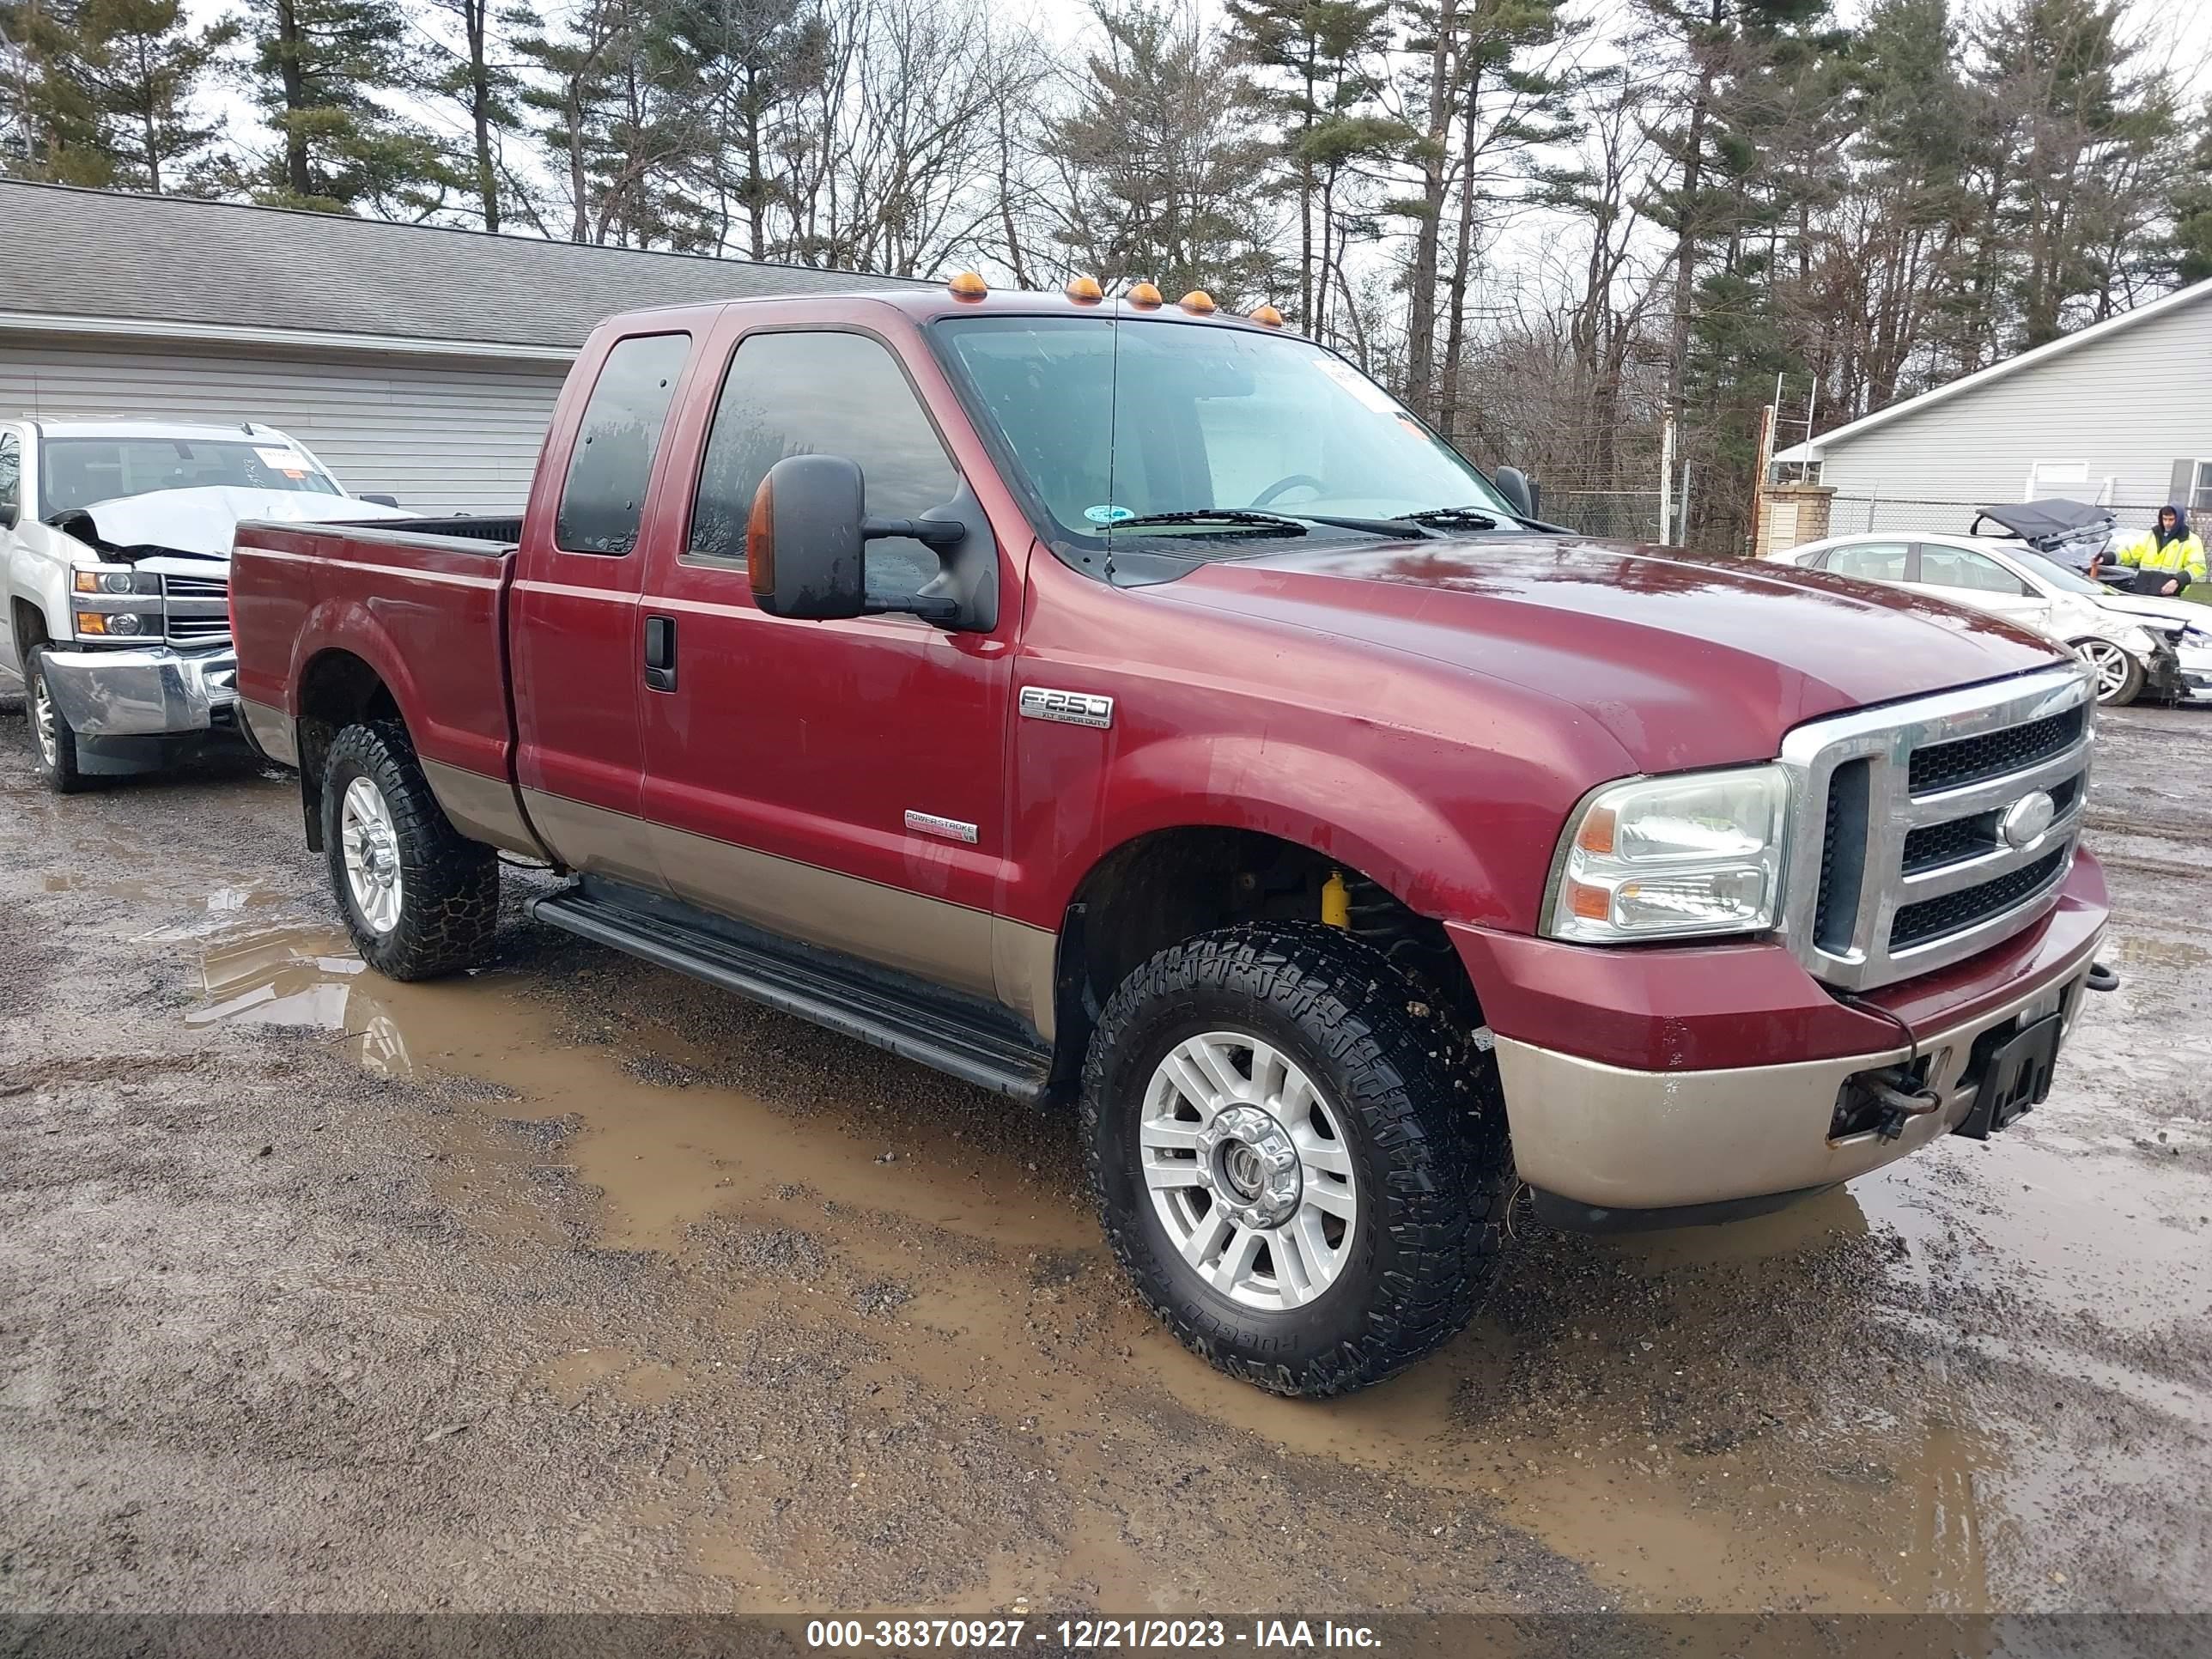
(2195,675)
(1703,1080)
(154,692)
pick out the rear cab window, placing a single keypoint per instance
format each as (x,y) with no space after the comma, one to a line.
(602,497)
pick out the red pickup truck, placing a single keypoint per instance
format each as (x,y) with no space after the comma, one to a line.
(1123,702)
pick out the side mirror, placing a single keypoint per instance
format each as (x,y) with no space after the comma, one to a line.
(380,499)
(1521,493)
(805,542)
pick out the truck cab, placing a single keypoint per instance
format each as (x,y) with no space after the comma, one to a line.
(114,543)
(1122,704)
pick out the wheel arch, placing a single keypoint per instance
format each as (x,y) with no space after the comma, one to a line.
(1159,887)
(335,687)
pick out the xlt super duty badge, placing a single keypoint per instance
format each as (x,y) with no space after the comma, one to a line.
(1069,707)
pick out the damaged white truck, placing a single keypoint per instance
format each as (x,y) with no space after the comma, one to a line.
(115,554)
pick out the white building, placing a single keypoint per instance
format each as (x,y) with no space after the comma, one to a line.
(2118,413)
(417,362)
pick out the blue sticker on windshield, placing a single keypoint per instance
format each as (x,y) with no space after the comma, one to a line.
(1109,514)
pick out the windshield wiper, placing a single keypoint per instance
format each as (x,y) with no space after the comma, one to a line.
(1235,518)
(1474,517)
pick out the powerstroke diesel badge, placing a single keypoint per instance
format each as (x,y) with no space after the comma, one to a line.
(1069,707)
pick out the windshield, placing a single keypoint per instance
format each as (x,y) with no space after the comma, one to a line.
(1110,420)
(75,472)
(2057,574)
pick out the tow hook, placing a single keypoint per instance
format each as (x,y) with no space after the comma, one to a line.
(2100,978)
(1903,1098)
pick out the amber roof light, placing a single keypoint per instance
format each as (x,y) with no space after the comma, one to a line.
(1085,290)
(1144,296)
(1267,317)
(969,286)
(1198,302)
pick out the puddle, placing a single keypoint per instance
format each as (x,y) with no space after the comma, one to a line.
(223,908)
(1657,1409)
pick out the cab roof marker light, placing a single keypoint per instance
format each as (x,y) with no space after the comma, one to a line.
(968,285)
(1267,317)
(1085,290)
(1198,302)
(1145,296)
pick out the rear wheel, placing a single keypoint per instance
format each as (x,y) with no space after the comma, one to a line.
(2119,676)
(52,743)
(1298,1159)
(420,898)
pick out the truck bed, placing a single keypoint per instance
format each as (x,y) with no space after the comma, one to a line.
(422,603)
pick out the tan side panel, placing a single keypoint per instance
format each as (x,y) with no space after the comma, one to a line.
(1024,961)
(273,730)
(945,944)
(482,809)
(593,840)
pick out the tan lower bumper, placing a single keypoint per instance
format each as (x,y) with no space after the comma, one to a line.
(1605,1135)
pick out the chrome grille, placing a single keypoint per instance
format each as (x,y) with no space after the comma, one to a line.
(197,610)
(1899,864)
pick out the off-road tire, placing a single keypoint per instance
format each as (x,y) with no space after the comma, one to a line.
(1423,1116)
(60,772)
(449,908)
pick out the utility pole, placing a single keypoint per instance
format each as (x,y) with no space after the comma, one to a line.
(1666,477)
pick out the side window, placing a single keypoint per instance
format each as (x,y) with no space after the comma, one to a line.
(11,477)
(823,394)
(1870,562)
(1955,566)
(603,496)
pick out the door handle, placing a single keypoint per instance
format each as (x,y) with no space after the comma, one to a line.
(660,653)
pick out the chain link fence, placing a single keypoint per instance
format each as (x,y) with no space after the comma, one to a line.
(1860,515)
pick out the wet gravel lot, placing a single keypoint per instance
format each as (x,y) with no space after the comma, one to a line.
(573,1285)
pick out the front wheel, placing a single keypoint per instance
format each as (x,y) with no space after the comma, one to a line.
(420,898)
(2119,676)
(52,743)
(1297,1157)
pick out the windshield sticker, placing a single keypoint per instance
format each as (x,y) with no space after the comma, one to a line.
(282,459)
(1357,384)
(1108,513)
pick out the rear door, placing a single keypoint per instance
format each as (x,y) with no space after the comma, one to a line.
(575,629)
(840,782)
(1870,561)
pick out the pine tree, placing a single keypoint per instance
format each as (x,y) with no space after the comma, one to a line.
(146,63)
(52,110)
(320,72)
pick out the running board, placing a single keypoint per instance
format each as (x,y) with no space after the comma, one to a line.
(849,997)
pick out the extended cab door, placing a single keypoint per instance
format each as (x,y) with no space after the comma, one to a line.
(838,782)
(575,627)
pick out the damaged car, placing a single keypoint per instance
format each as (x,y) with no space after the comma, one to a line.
(115,546)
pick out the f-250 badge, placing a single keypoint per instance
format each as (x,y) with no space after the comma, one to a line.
(1069,707)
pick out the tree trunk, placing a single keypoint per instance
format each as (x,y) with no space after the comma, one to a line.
(1421,319)
(480,110)
(1688,213)
(1463,255)
(288,54)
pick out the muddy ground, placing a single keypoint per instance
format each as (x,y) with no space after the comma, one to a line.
(575,1284)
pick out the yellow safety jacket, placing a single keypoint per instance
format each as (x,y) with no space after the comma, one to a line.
(2183,556)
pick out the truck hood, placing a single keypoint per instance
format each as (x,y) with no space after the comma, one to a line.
(1686,661)
(202,520)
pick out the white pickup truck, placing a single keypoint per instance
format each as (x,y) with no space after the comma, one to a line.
(115,559)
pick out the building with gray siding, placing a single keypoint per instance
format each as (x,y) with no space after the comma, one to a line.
(2118,413)
(414,361)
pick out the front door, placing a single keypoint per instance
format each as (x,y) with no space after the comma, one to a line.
(11,506)
(576,628)
(838,782)
(1978,582)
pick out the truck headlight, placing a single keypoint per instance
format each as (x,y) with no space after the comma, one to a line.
(1665,858)
(101,581)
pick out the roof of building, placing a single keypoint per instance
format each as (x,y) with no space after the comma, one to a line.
(153,265)
(1814,449)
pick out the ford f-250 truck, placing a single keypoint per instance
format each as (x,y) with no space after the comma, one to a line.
(1121,701)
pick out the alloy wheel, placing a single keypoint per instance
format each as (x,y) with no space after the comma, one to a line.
(1245,1161)
(371,843)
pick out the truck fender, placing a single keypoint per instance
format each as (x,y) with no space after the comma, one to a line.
(1332,804)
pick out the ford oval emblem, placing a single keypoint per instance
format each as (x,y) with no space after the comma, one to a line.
(2026,820)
